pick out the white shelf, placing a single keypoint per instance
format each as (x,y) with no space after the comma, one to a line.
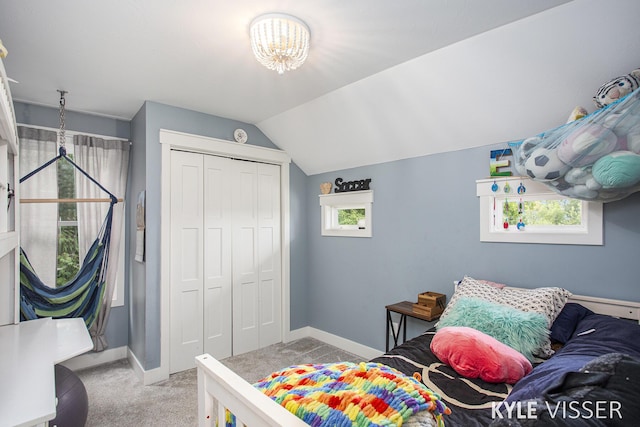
(8,131)
(9,218)
(8,242)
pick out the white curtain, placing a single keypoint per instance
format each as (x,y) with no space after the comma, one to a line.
(39,222)
(106,161)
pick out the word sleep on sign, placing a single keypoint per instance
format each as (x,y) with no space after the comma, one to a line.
(342,186)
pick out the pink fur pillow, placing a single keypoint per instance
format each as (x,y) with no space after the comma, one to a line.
(474,354)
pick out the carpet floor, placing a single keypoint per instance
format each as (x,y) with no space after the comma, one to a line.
(118,398)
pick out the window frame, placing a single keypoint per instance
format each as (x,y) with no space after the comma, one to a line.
(331,203)
(589,233)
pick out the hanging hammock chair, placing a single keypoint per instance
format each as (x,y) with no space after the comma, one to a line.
(83,295)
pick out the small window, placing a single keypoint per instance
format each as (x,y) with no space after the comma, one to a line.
(346,214)
(537,215)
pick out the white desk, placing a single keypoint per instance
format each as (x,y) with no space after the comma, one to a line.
(28,353)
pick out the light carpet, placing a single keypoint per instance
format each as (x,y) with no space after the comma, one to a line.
(118,398)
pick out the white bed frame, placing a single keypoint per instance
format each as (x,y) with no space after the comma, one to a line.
(220,388)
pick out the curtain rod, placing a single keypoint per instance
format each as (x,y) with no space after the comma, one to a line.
(73,132)
(70,200)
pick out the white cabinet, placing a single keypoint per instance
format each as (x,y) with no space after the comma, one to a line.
(9,215)
(225,295)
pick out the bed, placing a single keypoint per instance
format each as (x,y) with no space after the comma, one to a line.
(545,387)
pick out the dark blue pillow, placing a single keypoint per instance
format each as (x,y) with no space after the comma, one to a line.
(594,335)
(565,324)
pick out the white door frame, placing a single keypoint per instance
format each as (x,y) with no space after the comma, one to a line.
(171,140)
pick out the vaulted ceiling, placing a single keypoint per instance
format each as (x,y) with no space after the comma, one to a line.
(384,80)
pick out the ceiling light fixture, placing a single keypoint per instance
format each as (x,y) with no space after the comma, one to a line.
(280,42)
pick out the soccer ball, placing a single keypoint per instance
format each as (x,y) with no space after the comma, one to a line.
(544,165)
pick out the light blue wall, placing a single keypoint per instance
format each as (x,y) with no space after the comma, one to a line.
(38,115)
(29,114)
(426,235)
(159,116)
(136,275)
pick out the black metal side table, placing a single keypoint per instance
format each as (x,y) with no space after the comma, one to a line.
(404,308)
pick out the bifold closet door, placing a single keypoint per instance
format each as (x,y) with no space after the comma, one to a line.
(225,257)
(257,281)
(200,258)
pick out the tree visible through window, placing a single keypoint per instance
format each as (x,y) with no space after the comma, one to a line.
(350,216)
(68,260)
(565,212)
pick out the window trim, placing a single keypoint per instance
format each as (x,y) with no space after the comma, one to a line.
(329,203)
(590,234)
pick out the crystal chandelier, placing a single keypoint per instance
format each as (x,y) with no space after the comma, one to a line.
(280,42)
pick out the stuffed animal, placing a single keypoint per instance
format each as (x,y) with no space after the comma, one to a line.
(578,176)
(620,169)
(521,152)
(617,88)
(3,50)
(580,191)
(577,113)
(586,144)
(632,139)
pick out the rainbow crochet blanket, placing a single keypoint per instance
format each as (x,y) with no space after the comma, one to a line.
(348,394)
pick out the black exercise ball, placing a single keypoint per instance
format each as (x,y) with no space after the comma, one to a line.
(72,401)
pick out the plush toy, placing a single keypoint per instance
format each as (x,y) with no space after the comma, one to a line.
(578,175)
(3,50)
(620,169)
(521,152)
(577,113)
(544,165)
(616,88)
(632,139)
(586,144)
(580,192)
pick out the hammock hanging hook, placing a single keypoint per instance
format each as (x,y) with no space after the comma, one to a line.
(61,132)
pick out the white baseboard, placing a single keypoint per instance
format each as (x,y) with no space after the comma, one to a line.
(336,341)
(296,334)
(147,377)
(152,376)
(89,360)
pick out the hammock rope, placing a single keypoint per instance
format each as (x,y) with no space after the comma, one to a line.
(83,295)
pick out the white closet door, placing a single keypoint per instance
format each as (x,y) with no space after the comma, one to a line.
(225,257)
(186,259)
(269,254)
(257,305)
(217,256)
(246,287)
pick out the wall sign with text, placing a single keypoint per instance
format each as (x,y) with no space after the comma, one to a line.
(358,185)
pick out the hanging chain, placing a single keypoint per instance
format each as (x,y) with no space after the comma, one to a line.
(61,135)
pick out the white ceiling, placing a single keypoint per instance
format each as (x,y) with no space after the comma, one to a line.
(384,80)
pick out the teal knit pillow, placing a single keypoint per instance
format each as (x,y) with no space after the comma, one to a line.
(523,331)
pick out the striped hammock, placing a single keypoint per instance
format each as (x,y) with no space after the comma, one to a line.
(83,295)
(80,297)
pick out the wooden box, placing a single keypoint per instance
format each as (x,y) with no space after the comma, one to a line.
(430,312)
(432,299)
